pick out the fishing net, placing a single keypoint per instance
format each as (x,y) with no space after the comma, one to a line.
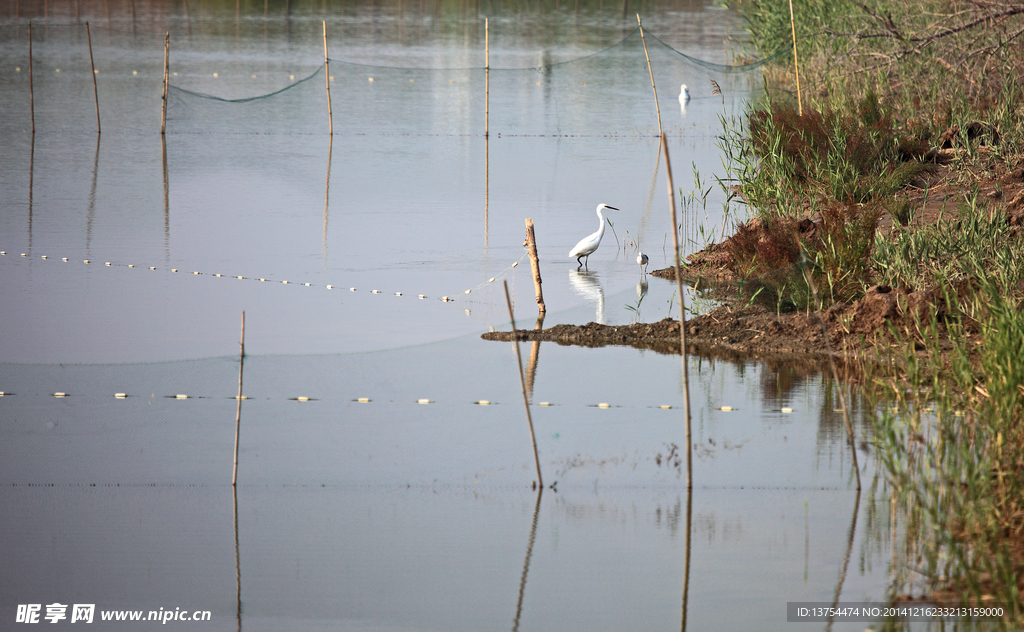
(401,417)
(611,87)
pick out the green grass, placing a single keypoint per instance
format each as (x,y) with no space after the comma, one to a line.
(972,242)
(880,83)
(953,456)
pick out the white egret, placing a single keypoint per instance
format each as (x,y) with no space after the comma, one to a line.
(641,260)
(684,95)
(589,244)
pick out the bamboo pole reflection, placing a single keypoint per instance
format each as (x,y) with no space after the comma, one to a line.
(327,190)
(31,179)
(234,476)
(686,562)
(531,367)
(167,200)
(487,188)
(487,128)
(91,215)
(682,312)
(238,564)
(846,560)
(526,562)
(522,381)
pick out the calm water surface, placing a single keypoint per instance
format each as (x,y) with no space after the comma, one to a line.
(388,514)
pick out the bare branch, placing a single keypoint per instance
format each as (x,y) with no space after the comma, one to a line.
(886,21)
(963,27)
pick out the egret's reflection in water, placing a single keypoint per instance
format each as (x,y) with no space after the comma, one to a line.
(587,284)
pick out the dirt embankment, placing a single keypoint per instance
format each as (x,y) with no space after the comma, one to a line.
(852,334)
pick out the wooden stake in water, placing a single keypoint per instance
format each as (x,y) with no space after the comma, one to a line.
(531,245)
(487,78)
(327,79)
(682,314)
(796,66)
(238,409)
(95,91)
(522,380)
(31,91)
(163,107)
(657,107)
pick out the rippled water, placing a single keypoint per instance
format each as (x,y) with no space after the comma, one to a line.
(388,513)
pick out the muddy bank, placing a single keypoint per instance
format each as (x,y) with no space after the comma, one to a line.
(856,333)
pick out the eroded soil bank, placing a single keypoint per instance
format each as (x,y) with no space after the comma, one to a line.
(852,334)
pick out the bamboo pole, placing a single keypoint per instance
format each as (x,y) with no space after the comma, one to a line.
(682,314)
(531,244)
(238,409)
(487,79)
(327,79)
(796,66)
(31,90)
(522,380)
(657,107)
(92,65)
(163,106)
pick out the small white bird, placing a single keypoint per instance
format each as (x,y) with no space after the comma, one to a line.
(684,95)
(589,244)
(641,260)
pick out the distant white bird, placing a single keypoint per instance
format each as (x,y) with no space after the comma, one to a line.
(641,260)
(684,95)
(589,244)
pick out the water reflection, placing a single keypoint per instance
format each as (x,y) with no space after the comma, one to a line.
(587,285)
(167,199)
(91,215)
(452,450)
(327,190)
(686,563)
(31,184)
(526,562)
(641,293)
(846,558)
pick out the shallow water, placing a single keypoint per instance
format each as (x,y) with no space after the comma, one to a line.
(388,514)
